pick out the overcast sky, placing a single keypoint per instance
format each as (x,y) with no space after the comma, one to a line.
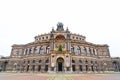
(22,20)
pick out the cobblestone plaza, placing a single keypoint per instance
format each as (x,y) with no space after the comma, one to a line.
(34,76)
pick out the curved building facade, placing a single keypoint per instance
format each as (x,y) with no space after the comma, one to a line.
(59,51)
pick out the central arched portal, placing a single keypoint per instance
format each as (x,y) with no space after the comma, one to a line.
(60,64)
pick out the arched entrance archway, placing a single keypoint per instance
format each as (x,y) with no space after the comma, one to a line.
(60,37)
(4,65)
(60,64)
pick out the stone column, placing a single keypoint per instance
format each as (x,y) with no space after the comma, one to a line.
(82,49)
(55,68)
(25,68)
(24,52)
(49,66)
(38,49)
(87,49)
(71,64)
(95,51)
(30,68)
(52,45)
(99,66)
(71,68)
(83,66)
(44,49)
(28,50)
(43,65)
(43,68)
(75,50)
(70,47)
(64,68)
(36,68)
(32,50)
(90,67)
(36,65)
(91,51)
(77,65)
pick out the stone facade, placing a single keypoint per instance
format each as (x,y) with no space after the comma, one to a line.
(116,63)
(58,51)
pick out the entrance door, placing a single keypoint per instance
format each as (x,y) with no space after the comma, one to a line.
(60,64)
(28,68)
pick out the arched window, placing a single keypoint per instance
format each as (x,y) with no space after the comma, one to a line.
(80,62)
(33,65)
(40,61)
(33,61)
(73,65)
(90,50)
(116,65)
(35,49)
(28,65)
(95,63)
(41,50)
(30,51)
(46,65)
(73,62)
(86,64)
(28,62)
(72,49)
(78,50)
(92,64)
(48,49)
(39,65)
(47,61)
(85,49)
(80,65)
(93,52)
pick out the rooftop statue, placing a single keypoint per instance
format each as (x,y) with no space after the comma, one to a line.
(60,26)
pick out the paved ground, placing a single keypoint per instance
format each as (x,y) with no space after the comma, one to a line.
(31,76)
